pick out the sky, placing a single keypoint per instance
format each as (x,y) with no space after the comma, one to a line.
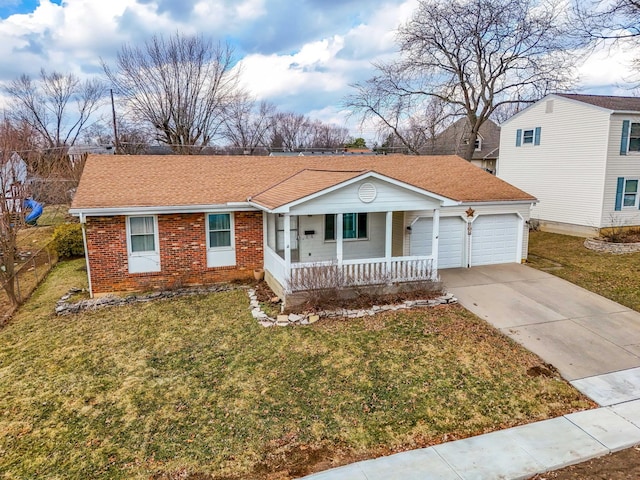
(301,55)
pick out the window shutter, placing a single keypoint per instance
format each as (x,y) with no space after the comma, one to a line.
(619,192)
(518,137)
(624,141)
(536,140)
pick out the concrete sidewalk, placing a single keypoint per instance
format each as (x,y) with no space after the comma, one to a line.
(593,342)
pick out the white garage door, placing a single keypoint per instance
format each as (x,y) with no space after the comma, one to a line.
(494,239)
(450,244)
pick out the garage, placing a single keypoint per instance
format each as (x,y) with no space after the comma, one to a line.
(451,240)
(495,239)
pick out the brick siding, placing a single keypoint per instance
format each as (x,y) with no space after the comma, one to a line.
(183,253)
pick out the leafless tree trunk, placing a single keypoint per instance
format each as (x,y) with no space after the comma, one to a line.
(181,85)
(474,56)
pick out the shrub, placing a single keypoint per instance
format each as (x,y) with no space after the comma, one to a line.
(67,240)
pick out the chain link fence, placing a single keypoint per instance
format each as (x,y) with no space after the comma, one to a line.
(26,278)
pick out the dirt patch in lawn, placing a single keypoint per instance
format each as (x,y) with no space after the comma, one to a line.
(624,465)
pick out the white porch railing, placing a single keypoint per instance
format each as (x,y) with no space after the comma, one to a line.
(366,271)
(370,271)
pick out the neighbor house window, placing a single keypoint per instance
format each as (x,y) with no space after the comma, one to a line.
(627,193)
(219,230)
(630,197)
(530,136)
(634,137)
(354,226)
(630,141)
(142,234)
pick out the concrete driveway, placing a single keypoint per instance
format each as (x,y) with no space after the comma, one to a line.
(592,341)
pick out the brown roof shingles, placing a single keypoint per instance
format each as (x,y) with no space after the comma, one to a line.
(622,104)
(174,180)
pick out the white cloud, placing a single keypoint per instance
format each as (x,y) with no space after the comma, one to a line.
(607,66)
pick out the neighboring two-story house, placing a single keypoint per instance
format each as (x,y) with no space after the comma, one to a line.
(579,155)
(454,140)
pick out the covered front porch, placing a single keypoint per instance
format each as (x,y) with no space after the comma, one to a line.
(352,249)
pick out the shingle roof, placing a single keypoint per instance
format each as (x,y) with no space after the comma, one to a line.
(176,180)
(624,104)
(301,185)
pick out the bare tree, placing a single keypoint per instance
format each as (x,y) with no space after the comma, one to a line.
(56,105)
(474,56)
(289,131)
(327,136)
(180,85)
(607,20)
(247,123)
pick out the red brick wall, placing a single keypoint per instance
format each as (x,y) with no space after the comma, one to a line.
(183,253)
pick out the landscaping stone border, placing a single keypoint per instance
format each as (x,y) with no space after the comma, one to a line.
(285,320)
(63,307)
(609,247)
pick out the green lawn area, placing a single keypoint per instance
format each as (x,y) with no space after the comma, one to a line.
(195,388)
(613,276)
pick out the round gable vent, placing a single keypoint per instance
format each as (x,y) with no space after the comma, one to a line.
(367,192)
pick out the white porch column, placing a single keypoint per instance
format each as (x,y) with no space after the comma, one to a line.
(388,239)
(434,243)
(287,244)
(339,230)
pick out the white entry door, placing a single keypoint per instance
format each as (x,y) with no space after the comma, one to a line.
(450,240)
(495,239)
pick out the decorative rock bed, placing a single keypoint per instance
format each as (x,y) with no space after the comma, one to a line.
(285,320)
(609,247)
(63,307)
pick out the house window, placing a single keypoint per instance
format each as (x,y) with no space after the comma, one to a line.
(354,226)
(142,234)
(630,197)
(142,243)
(219,229)
(220,240)
(527,137)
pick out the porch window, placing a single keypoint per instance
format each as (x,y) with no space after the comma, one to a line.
(354,226)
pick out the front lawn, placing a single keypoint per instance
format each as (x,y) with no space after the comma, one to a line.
(195,386)
(613,276)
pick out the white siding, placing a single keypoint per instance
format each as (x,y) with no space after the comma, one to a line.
(566,171)
(619,166)
(313,248)
(389,198)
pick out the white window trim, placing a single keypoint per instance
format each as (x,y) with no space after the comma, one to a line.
(637,194)
(362,239)
(232,228)
(156,243)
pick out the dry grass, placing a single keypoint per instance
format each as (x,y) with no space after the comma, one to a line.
(193,386)
(612,276)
